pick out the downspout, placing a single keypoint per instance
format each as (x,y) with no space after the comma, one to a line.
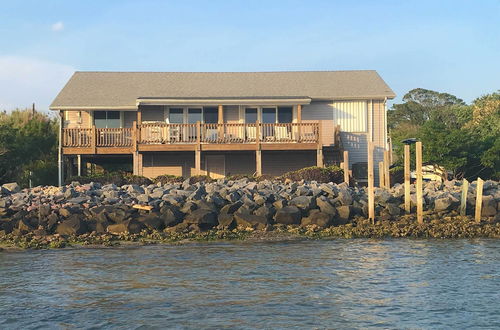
(59,153)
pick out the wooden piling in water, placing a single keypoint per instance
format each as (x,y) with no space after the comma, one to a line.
(420,197)
(407,178)
(479,199)
(463,198)
(371,195)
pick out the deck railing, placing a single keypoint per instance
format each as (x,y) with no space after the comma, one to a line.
(103,137)
(114,137)
(77,137)
(162,133)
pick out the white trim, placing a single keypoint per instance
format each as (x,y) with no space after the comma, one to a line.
(209,102)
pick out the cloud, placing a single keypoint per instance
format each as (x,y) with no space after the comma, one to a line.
(26,80)
(58,26)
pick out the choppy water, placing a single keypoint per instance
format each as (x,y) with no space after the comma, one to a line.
(307,284)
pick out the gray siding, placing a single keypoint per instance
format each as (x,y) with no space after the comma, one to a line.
(153,113)
(128,118)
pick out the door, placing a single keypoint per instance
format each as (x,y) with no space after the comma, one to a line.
(216,166)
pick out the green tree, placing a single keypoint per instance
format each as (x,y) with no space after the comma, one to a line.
(28,142)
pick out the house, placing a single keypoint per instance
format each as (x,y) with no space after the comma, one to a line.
(220,123)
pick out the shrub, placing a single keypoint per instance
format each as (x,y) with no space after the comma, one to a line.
(117,178)
(200,178)
(320,174)
(167,178)
(397,174)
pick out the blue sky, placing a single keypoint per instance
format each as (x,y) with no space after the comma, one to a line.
(449,46)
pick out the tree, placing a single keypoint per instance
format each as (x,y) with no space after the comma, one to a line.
(464,139)
(418,106)
(28,142)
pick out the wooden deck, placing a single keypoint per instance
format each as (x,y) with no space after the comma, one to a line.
(192,137)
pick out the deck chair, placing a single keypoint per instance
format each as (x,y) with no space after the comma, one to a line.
(251,133)
(281,133)
(211,134)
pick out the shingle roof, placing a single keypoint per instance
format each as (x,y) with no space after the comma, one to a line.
(115,89)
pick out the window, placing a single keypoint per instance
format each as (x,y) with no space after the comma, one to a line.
(285,114)
(269,115)
(210,115)
(107,119)
(250,115)
(176,116)
(194,115)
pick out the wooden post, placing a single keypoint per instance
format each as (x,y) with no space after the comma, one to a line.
(381,179)
(420,197)
(197,152)
(479,199)
(79,164)
(407,178)
(319,151)
(258,162)
(258,151)
(463,198)
(299,121)
(93,142)
(134,136)
(139,116)
(220,122)
(371,195)
(346,166)
(387,174)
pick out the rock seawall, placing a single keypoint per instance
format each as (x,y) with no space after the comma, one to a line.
(77,209)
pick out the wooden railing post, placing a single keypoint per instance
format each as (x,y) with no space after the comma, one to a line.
(93,142)
(479,199)
(407,178)
(420,197)
(197,152)
(134,136)
(299,122)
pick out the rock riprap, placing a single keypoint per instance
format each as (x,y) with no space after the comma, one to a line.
(78,209)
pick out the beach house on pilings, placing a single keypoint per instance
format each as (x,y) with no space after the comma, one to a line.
(220,123)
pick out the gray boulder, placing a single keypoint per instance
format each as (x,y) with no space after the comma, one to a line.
(74,225)
(343,213)
(128,226)
(202,217)
(303,202)
(288,215)
(318,218)
(251,220)
(325,206)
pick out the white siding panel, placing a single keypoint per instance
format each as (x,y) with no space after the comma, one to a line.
(350,115)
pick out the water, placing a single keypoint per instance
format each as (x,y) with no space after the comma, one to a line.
(306,284)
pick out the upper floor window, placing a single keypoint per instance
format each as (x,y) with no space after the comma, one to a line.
(176,116)
(107,119)
(250,115)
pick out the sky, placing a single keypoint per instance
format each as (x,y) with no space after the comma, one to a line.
(448,46)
